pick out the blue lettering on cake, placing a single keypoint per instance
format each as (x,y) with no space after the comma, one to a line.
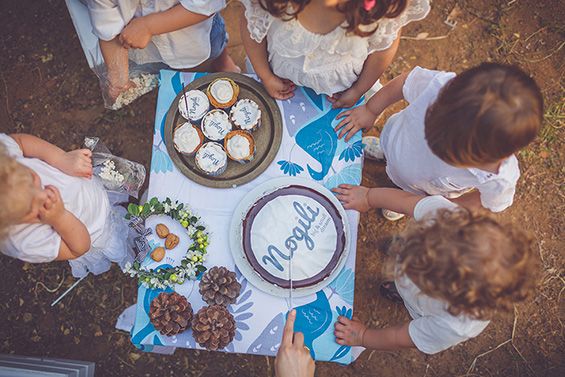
(299,233)
(194,102)
(247,114)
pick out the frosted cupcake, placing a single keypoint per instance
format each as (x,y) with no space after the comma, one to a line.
(187,139)
(240,146)
(245,114)
(222,93)
(195,106)
(211,158)
(216,125)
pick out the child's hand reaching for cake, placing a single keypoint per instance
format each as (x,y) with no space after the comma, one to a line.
(354,120)
(349,331)
(353,197)
(77,163)
(136,34)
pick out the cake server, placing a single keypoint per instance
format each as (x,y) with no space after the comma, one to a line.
(290,281)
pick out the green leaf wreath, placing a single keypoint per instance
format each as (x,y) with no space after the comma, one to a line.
(191,265)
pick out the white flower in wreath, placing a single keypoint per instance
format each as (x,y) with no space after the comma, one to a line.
(154,281)
(190,271)
(127,266)
(166,207)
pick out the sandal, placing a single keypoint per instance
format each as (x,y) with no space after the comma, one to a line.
(388,290)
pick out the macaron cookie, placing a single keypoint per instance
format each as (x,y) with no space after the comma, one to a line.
(193,105)
(222,93)
(211,158)
(246,115)
(216,125)
(187,139)
(240,146)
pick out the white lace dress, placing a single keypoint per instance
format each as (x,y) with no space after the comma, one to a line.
(328,63)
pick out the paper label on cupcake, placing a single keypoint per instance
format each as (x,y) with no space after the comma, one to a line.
(245,113)
(186,138)
(216,125)
(211,157)
(222,91)
(197,103)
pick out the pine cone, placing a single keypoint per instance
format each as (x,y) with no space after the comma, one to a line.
(213,327)
(219,286)
(170,313)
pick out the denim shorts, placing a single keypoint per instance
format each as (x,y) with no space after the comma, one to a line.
(218,36)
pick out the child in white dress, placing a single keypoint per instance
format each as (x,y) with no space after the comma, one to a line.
(453,268)
(457,134)
(180,33)
(51,208)
(337,48)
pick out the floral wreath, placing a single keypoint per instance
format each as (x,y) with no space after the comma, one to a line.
(192,263)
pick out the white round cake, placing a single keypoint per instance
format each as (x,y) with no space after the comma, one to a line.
(297,223)
(211,158)
(246,114)
(193,105)
(216,125)
(187,138)
(222,91)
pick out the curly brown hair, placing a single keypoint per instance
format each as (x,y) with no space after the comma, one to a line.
(15,201)
(469,260)
(355,14)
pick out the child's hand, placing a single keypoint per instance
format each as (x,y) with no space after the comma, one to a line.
(353,197)
(77,163)
(357,119)
(136,34)
(53,207)
(279,88)
(347,98)
(349,332)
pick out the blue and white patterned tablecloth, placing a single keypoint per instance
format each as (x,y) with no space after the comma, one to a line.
(309,149)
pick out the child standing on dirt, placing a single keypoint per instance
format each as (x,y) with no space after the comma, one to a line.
(337,48)
(453,270)
(458,135)
(180,33)
(51,209)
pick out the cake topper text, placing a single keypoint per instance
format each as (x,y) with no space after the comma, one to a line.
(246,113)
(194,102)
(299,233)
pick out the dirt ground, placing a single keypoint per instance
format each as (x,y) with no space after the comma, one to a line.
(47,89)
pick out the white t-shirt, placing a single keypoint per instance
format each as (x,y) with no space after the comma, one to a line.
(184,48)
(412,165)
(327,63)
(433,328)
(84,198)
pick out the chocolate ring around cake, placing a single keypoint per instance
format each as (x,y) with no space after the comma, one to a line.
(284,219)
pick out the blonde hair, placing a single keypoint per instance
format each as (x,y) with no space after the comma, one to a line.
(15,202)
(469,260)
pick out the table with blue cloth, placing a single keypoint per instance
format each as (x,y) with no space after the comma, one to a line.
(309,149)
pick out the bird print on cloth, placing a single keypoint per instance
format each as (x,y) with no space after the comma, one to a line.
(318,138)
(313,320)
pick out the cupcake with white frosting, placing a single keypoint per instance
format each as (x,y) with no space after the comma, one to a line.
(211,158)
(216,125)
(187,139)
(193,105)
(240,146)
(222,93)
(246,115)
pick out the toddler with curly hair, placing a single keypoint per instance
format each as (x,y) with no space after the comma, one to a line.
(453,270)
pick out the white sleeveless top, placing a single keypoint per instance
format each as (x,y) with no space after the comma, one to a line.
(327,63)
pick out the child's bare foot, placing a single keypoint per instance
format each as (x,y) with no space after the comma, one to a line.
(224,63)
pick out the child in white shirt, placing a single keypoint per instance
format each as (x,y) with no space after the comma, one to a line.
(180,33)
(337,48)
(458,133)
(453,270)
(51,209)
